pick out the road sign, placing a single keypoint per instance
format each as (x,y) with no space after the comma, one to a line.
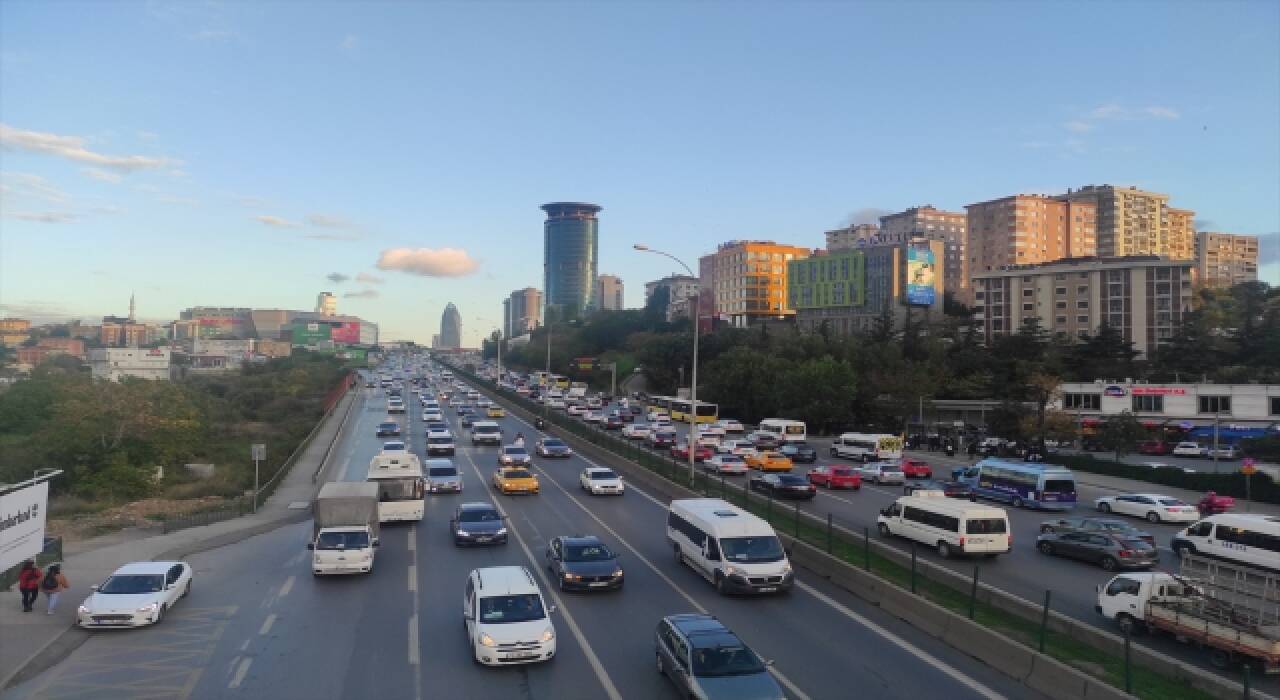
(258,451)
(1248,470)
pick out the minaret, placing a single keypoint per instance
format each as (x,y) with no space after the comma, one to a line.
(133,307)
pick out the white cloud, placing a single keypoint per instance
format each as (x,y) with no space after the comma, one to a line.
(175,199)
(362,294)
(215,35)
(29,185)
(1113,111)
(72,148)
(103,175)
(1078,127)
(43,217)
(332,236)
(428,262)
(366,278)
(329,221)
(1157,112)
(350,42)
(276,221)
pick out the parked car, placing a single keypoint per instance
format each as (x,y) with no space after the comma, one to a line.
(136,595)
(916,468)
(477,523)
(784,486)
(583,563)
(1111,552)
(552,447)
(600,480)
(882,473)
(1153,447)
(1103,526)
(705,660)
(799,452)
(1155,507)
(1223,452)
(952,489)
(725,464)
(1190,449)
(836,476)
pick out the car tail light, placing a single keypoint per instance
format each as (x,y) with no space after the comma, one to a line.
(961,542)
(1124,553)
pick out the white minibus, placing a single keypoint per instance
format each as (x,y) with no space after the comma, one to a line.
(950,525)
(784,429)
(731,548)
(1246,539)
(868,447)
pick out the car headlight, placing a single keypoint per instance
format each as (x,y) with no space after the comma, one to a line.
(548,634)
(571,577)
(486,640)
(463,533)
(149,607)
(83,610)
(617,572)
(730,570)
(501,531)
(786,567)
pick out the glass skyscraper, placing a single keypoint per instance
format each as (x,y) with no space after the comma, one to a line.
(570,248)
(451,327)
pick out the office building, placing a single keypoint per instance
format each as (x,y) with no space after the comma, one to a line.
(1027,229)
(435,341)
(14,331)
(450,328)
(607,295)
(747,280)
(681,289)
(1143,297)
(219,321)
(850,289)
(853,237)
(1131,221)
(506,317)
(570,245)
(1226,259)
(525,311)
(368,333)
(327,304)
(115,364)
(1175,412)
(929,222)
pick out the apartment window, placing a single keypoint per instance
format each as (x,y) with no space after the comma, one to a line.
(1082,402)
(1082,289)
(997,325)
(1028,307)
(1275,405)
(979,295)
(1215,404)
(1148,404)
(1060,291)
(1082,319)
(1082,275)
(1028,293)
(1060,305)
(1082,304)
(1060,320)
(1060,276)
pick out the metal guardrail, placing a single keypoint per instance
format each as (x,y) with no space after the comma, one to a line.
(207,517)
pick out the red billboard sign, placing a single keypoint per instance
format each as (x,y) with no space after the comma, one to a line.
(1158,391)
(348,333)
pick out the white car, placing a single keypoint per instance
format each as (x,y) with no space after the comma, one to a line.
(741,448)
(136,594)
(712,441)
(600,480)
(593,417)
(711,429)
(1223,452)
(432,416)
(635,431)
(553,402)
(1190,449)
(507,619)
(653,416)
(726,464)
(594,403)
(882,472)
(577,410)
(1155,507)
(730,425)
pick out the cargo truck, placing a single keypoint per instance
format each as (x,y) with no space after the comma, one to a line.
(344,535)
(1231,610)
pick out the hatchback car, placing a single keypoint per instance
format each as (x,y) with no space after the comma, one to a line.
(835,477)
(1111,552)
(1153,447)
(915,468)
(514,456)
(700,452)
(583,563)
(769,461)
(799,452)
(784,486)
(1101,526)
(477,523)
(136,595)
(552,447)
(725,464)
(662,438)
(600,480)
(882,473)
(442,476)
(1155,507)
(509,480)
(705,660)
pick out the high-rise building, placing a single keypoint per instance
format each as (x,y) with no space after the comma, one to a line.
(435,341)
(506,317)
(570,254)
(850,289)
(853,236)
(1026,229)
(680,290)
(934,224)
(748,279)
(526,311)
(1143,297)
(1226,259)
(327,304)
(607,295)
(1131,221)
(451,328)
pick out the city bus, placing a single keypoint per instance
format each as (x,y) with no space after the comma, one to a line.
(661,404)
(680,409)
(1033,484)
(784,429)
(401,492)
(560,381)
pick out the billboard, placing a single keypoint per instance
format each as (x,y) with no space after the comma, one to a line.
(22,524)
(921,272)
(347,333)
(310,333)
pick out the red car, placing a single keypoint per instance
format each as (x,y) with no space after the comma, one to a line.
(836,476)
(1153,447)
(916,469)
(700,453)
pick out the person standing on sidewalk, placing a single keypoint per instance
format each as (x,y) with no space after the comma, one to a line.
(29,584)
(53,585)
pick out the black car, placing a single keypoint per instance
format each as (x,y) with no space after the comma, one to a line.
(784,486)
(552,447)
(800,452)
(1111,552)
(477,523)
(1100,526)
(583,563)
(389,429)
(953,489)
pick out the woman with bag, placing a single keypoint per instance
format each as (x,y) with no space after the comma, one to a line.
(53,585)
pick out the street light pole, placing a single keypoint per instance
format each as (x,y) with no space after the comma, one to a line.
(693,374)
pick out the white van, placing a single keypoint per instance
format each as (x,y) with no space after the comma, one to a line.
(733,549)
(1248,539)
(507,619)
(868,447)
(784,429)
(952,526)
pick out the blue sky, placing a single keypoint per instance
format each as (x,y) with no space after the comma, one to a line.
(237,153)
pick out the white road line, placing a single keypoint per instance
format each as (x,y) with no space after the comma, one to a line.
(241,671)
(413,543)
(288,586)
(266,624)
(414,656)
(243,647)
(601,674)
(413,578)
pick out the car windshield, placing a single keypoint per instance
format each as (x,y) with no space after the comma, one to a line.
(730,458)
(752,549)
(516,474)
(515,452)
(439,440)
(601,474)
(487,429)
(501,609)
(389,426)
(342,540)
(587,552)
(479,515)
(728,657)
(133,583)
(1134,543)
(792,480)
(406,489)
(442,471)
(552,443)
(1170,502)
(985,526)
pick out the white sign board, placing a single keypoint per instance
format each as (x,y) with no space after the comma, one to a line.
(22,524)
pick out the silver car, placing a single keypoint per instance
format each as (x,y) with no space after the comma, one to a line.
(882,472)
(706,660)
(442,476)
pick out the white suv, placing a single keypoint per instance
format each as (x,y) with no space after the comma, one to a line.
(507,618)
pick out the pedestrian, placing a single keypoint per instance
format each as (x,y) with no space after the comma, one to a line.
(53,585)
(29,584)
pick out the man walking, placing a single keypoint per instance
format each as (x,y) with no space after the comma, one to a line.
(29,584)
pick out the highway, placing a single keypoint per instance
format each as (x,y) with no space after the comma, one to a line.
(257,624)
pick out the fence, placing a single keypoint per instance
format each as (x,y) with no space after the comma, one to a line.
(227,511)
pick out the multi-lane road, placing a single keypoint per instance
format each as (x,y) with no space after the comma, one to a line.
(257,624)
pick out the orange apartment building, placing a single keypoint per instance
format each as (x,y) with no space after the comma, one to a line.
(745,281)
(1027,229)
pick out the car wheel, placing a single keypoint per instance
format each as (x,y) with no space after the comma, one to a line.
(721,587)
(1045,548)
(679,556)
(160,614)
(1109,564)
(884,530)
(1104,507)
(944,550)
(1153,517)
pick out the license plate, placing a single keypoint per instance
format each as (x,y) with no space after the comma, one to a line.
(522,655)
(598,583)
(767,589)
(483,539)
(1050,497)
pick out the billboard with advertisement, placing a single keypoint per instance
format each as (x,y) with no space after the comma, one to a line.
(22,524)
(347,333)
(310,333)
(921,273)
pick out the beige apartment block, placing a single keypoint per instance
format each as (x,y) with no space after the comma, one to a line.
(1028,229)
(747,280)
(1136,222)
(1226,259)
(931,223)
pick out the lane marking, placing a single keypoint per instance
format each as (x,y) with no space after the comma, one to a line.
(413,544)
(413,579)
(288,586)
(598,668)
(414,656)
(266,625)
(241,672)
(244,647)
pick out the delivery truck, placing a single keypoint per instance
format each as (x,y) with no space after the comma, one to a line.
(344,535)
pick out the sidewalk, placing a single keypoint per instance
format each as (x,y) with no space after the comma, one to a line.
(32,642)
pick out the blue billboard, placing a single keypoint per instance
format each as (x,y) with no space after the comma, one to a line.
(921,272)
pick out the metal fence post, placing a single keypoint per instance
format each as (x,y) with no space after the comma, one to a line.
(828,533)
(973,592)
(797,528)
(1248,680)
(866,548)
(769,509)
(1044,628)
(913,566)
(1128,666)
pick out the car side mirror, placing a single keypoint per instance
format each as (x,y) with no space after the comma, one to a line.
(94,588)
(551,609)
(311,545)
(468,616)
(377,542)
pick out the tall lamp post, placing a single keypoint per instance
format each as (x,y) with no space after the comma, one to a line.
(691,441)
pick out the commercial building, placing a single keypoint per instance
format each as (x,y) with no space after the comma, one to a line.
(115,364)
(1131,221)
(368,333)
(1226,259)
(272,323)
(850,289)
(747,280)
(218,321)
(435,341)
(931,223)
(570,245)
(1026,229)
(119,332)
(680,290)
(1176,412)
(273,348)
(230,353)
(14,331)
(1143,297)
(327,304)
(607,295)
(524,311)
(450,328)
(49,347)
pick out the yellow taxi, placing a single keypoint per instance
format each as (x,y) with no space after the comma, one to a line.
(496,412)
(511,480)
(769,461)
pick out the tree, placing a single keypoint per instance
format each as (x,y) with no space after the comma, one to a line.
(820,392)
(1104,355)
(655,309)
(1121,433)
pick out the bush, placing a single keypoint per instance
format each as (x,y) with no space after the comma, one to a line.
(1262,488)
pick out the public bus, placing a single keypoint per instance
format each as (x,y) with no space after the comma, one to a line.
(1033,484)
(401,492)
(560,381)
(660,404)
(784,429)
(680,409)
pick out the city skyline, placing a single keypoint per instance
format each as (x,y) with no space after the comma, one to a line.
(202,198)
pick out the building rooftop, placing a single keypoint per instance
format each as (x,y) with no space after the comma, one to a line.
(568,208)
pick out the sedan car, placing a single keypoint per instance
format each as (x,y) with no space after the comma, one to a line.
(835,477)
(393,446)
(705,660)
(742,448)
(769,461)
(136,595)
(1111,552)
(388,429)
(763,441)
(594,417)
(952,489)
(700,453)
(514,456)
(799,452)
(1101,526)
(552,447)
(635,431)
(1189,449)
(784,486)
(477,523)
(432,416)
(600,480)
(496,412)
(725,464)
(916,468)
(442,476)
(653,416)
(583,563)
(882,472)
(1156,508)
(576,409)
(662,438)
(467,420)
(1223,452)
(613,422)
(730,425)
(512,480)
